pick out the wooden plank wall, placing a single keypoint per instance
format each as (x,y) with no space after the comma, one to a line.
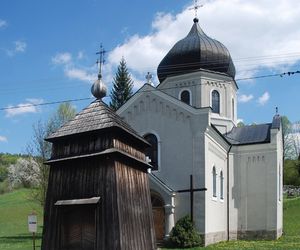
(123,216)
(82,145)
(84,178)
(135,210)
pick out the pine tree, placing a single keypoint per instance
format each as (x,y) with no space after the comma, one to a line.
(122,86)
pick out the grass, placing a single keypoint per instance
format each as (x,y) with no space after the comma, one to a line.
(14,235)
(289,240)
(14,210)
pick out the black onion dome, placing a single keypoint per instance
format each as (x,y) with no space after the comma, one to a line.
(196,51)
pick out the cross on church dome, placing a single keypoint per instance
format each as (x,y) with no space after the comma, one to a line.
(99,89)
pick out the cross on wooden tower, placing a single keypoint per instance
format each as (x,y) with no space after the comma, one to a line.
(196,7)
(191,190)
(101,60)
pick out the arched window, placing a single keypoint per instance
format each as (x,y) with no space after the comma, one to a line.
(221,186)
(232,112)
(215,101)
(214,182)
(152,152)
(185,97)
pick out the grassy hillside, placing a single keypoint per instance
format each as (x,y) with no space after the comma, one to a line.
(14,209)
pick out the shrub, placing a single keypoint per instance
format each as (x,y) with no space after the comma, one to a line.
(184,234)
(4,187)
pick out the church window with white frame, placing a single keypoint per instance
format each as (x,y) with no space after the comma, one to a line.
(152,152)
(221,186)
(185,96)
(215,101)
(214,175)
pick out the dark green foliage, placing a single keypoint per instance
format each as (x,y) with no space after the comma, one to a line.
(291,172)
(122,86)
(184,234)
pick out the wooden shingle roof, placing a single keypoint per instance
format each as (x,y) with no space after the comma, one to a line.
(96,116)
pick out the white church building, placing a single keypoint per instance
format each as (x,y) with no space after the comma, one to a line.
(190,119)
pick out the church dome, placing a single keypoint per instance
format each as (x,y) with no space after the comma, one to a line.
(196,51)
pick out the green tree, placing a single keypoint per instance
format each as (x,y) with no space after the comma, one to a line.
(122,86)
(40,150)
(240,124)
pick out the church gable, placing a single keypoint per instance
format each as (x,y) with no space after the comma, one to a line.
(151,100)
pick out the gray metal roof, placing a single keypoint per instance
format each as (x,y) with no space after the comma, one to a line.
(249,134)
(196,51)
(94,117)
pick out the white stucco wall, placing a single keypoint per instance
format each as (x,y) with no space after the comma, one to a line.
(180,129)
(254,202)
(201,84)
(215,207)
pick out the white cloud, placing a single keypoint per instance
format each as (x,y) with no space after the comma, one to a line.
(3,23)
(23,108)
(35,100)
(3,138)
(20,46)
(264,99)
(73,71)
(62,58)
(79,74)
(80,55)
(245,98)
(256,35)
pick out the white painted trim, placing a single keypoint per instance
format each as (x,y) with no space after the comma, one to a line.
(190,92)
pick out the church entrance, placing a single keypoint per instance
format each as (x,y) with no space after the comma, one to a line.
(78,228)
(158,216)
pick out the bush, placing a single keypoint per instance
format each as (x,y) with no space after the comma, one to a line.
(4,187)
(184,234)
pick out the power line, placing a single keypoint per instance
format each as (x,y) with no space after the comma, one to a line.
(169,68)
(45,103)
(289,73)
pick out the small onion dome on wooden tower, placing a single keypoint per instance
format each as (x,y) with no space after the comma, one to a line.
(99,89)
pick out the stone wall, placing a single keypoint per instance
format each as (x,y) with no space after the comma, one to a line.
(291,191)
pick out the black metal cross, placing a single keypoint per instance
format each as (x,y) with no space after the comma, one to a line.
(101,60)
(196,7)
(191,190)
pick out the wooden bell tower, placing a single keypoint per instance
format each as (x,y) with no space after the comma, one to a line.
(98,195)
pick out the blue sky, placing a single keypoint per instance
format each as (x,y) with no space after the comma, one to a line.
(47,52)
